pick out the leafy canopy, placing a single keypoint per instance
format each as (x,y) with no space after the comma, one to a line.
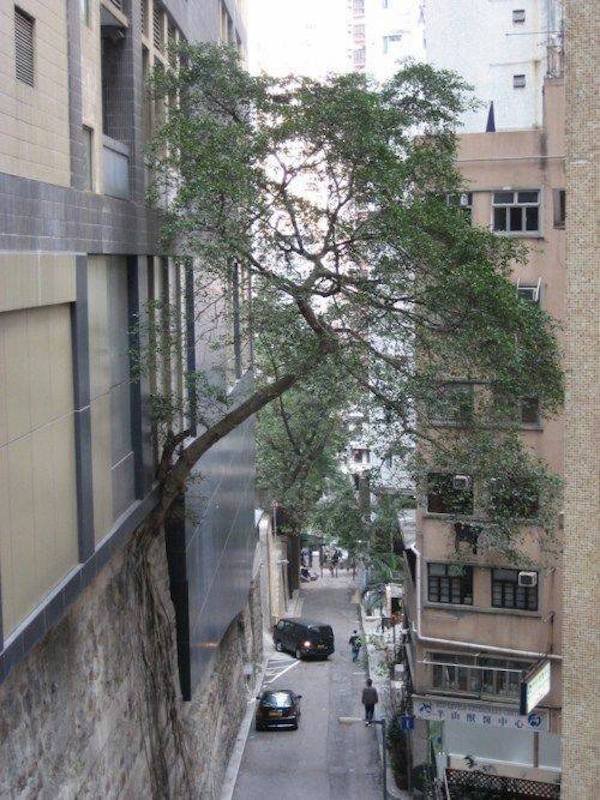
(332,196)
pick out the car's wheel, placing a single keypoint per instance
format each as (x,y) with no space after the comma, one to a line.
(259,727)
(278,647)
(298,654)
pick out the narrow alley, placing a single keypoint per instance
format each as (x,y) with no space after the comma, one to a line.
(323,760)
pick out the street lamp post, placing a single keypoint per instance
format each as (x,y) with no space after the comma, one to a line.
(353,720)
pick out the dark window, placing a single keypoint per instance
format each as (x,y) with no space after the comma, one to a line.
(449,494)
(560,207)
(158,33)
(144,17)
(530,411)
(464,201)
(516,212)
(502,676)
(519,81)
(518,15)
(24,53)
(450,583)
(531,293)
(277,700)
(453,673)
(88,158)
(506,592)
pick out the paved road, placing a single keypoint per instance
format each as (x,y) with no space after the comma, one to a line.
(323,760)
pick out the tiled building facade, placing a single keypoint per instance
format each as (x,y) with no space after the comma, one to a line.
(581,700)
(79,261)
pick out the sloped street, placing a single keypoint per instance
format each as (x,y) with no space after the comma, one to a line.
(323,759)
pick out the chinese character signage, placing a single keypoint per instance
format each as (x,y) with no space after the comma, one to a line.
(487,716)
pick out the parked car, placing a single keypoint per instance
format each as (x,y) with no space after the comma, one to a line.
(304,637)
(278,708)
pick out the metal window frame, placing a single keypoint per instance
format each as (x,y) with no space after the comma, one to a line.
(24,38)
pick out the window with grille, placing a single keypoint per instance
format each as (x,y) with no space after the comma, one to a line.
(519,81)
(506,592)
(450,583)
(560,207)
(158,33)
(516,212)
(358,7)
(144,17)
(24,53)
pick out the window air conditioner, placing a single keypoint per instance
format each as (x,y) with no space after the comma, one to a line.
(527,578)
(461,483)
(463,199)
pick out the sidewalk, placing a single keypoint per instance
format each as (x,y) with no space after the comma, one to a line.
(375,659)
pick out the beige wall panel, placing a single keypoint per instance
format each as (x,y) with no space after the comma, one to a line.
(44,506)
(28,280)
(63,458)
(37,143)
(38,539)
(3,388)
(41,358)
(61,374)
(20,483)
(16,350)
(101,444)
(98,322)
(6,555)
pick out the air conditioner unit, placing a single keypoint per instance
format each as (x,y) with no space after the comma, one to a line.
(463,199)
(527,578)
(461,483)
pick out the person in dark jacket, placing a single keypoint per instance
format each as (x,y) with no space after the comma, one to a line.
(355,643)
(370,698)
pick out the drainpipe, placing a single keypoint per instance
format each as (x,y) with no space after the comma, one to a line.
(460,643)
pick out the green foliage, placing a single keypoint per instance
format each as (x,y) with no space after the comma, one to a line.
(337,212)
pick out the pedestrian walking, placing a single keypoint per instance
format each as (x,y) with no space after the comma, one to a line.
(370,698)
(331,567)
(355,643)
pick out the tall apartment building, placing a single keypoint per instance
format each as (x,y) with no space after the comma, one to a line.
(382,34)
(581,701)
(80,259)
(505,52)
(476,632)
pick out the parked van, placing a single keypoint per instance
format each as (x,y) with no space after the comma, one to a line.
(304,637)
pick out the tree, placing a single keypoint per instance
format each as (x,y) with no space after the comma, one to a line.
(331,197)
(300,439)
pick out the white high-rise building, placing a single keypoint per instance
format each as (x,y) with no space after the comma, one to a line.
(384,33)
(503,48)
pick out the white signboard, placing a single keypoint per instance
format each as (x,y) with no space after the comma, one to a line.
(478,714)
(536,686)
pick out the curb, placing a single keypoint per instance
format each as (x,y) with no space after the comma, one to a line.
(237,753)
(392,789)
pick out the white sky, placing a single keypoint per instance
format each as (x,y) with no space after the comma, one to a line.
(301,37)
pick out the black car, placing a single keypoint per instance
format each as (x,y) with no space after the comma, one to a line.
(278,708)
(304,637)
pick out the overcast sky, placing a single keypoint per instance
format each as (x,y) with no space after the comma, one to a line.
(306,37)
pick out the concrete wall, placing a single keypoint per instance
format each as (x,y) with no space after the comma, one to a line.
(581,702)
(82,719)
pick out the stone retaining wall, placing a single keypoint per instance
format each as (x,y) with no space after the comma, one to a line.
(81,717)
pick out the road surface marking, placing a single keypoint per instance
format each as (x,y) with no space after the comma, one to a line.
(287,669)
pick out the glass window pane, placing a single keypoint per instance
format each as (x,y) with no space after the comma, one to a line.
(500,219)
(528,197)
(503,198)
(532,218)
(437,569)
(505,575)
(516,218)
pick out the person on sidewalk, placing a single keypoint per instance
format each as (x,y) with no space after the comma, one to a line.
(370,698)
(355,643)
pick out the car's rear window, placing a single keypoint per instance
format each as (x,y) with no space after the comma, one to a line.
(277,700)
(322,630)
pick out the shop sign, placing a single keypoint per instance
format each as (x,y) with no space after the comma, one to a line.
(535,687)
(482,714)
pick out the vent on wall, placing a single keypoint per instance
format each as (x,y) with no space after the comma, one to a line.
(24,46)
(158,32)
